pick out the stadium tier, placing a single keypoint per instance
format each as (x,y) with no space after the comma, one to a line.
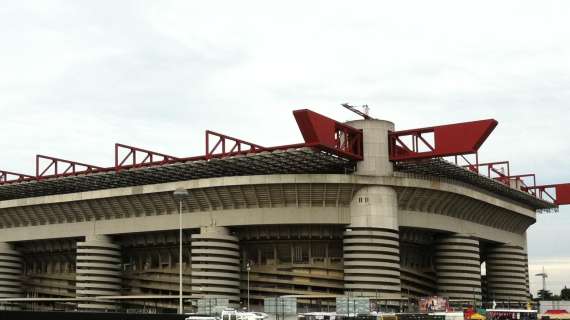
(357,209)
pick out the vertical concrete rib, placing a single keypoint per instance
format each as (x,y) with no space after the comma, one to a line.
(98,272)
(371,245)
(458,267)
(506,273)
(526,278)
(215,264)
(372,262)
(10,272)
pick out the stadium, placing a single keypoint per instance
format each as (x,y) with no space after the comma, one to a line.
(356,209)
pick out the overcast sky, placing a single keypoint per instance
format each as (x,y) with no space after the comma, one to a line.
(78,76)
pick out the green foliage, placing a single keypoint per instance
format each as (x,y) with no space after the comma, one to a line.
(544,295)
(565,293)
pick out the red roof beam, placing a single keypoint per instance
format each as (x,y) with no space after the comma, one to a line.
(226,146)
(8,176)
(448,140)
(520,177)
(60,167)
(322,132)
(498,168)
(561,192)
(137,157)
(492,168)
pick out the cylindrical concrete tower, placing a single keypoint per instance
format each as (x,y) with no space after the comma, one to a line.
(371,242)
(458,267)
(215,264)
(526,272)
(372,262)
(506,268)
(98,271)
(376,160)
(10,272)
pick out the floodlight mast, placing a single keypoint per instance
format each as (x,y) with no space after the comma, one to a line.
(544,275)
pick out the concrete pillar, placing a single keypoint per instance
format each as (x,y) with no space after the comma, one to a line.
(371,245)
(458,267)
(526,278)
(98,271)
(10,272)
(506,273)
(215,264)
(375,144)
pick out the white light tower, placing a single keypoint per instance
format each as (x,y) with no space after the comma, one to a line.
(544,276)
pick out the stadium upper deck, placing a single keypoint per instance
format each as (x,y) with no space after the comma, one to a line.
(324,151)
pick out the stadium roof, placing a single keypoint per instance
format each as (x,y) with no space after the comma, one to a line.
(329,147)
(301,160)
(438,167)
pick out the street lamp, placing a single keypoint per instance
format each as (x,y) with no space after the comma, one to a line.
(248,268)
(180,195)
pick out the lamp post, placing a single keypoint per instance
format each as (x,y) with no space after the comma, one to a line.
(248,268)
(180,195)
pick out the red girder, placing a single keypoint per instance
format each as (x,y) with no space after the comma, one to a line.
(505,177)
(519,177)
(492,169)
(226,146)
(145,157)
(561,193)
(70,167)
(448,140)
(8,177)
(519,181)
(320,131)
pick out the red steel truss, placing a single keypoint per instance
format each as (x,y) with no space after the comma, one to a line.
(494,170)
(521,177)
(332,137)
(56,167)
(137,157)
(461,139)
(319,130)
(7,177)
(448,140)
(226,146)
(561,194)
(320,133)
(501,171)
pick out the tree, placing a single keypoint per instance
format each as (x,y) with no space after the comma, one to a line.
(565,294)
(544,295)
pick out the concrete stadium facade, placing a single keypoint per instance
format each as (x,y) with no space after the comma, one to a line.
(376,231)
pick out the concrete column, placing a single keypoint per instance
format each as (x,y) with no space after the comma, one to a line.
(526,278)
(371,245)
(10,272)
(458,267)
(375,144)
(506,273)
(215,264)
(98,271)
